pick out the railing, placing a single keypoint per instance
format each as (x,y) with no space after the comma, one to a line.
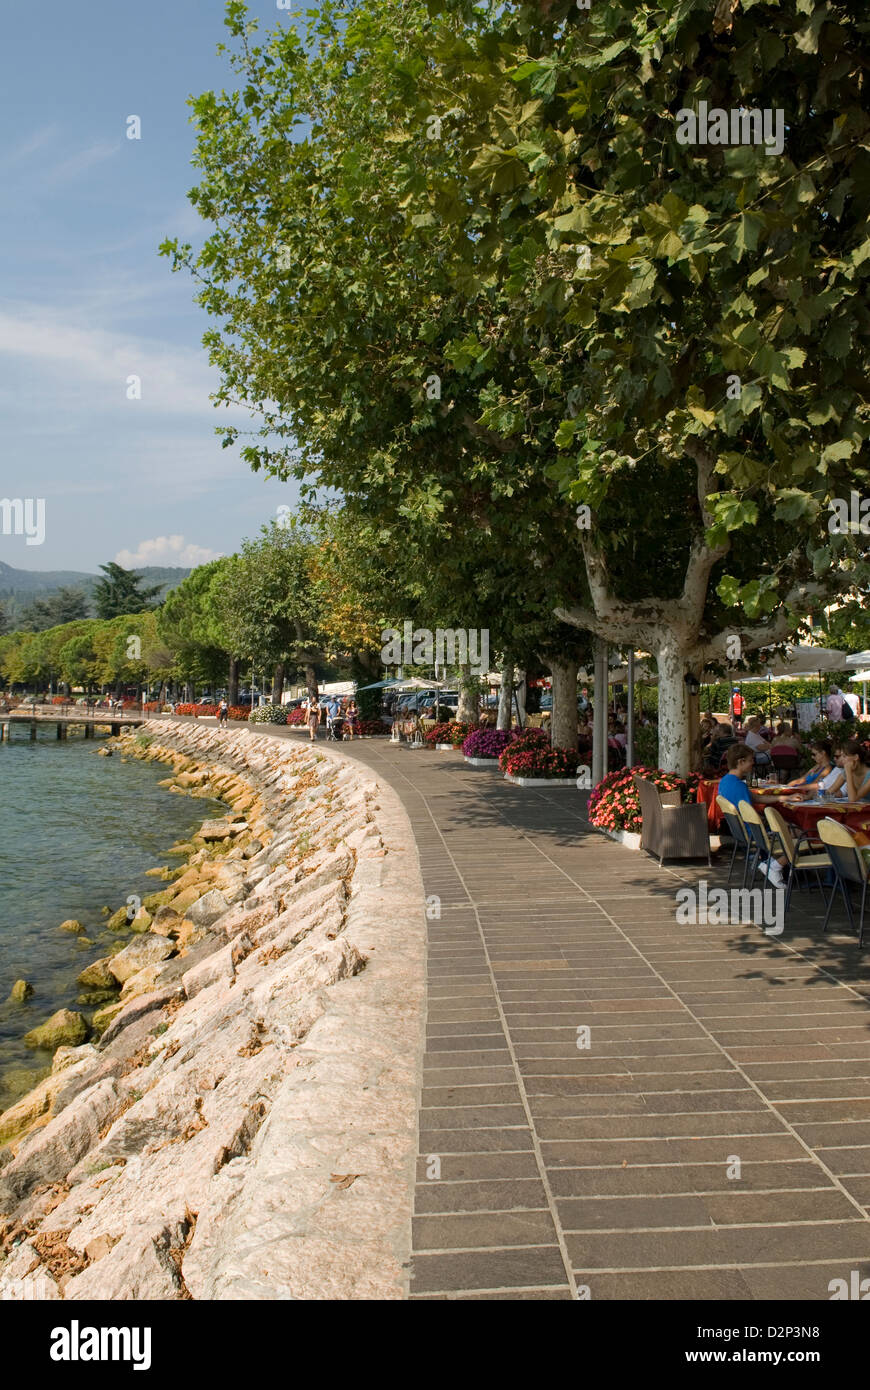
(100,710)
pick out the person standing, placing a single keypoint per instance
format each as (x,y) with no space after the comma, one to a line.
(223,713)
(351,718)
(737,704)
(834,704)
(313,707)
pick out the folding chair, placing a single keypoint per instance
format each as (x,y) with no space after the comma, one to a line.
(849,865)
(739,835)
(798,852)
(760,846)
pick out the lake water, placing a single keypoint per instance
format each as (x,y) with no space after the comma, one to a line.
(77,833)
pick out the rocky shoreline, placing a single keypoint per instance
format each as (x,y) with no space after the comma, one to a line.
(245,1127)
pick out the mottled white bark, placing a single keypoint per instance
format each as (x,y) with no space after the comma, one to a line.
(469,693)
(505,696)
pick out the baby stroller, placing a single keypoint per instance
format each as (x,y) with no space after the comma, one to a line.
(335,727)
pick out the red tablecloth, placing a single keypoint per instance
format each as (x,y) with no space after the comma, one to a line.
(707,791)
(808,814)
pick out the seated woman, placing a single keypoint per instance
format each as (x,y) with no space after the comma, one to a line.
(785,740)
(723,738)
(754,740)
(824,774)
(856,770)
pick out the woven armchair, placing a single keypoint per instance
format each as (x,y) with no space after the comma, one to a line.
(671,829)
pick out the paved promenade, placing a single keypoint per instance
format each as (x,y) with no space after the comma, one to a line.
(711,1142)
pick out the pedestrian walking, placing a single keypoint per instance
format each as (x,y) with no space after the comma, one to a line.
(223,713)
(313,707)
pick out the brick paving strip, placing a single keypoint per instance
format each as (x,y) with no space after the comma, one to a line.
(545,1169)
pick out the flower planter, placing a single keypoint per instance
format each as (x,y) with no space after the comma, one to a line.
(630,838)
(444,748)
(483,762)
(541,781)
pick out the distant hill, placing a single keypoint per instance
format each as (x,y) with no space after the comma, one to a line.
(18,587)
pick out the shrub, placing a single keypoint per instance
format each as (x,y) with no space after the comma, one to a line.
(370,727)
(297,716)
(614,803)
(487,743)
(196,709)
(239,712)
(268,714)
(838,732)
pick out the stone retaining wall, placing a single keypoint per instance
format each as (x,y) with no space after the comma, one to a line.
(246,1126)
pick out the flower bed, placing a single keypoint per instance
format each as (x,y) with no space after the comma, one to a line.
(298,716)
(614,803)
(370,727)
(487,743)
(239,711)
(450,732)
(268,714)
(529,740)
(196,709)
(539,762)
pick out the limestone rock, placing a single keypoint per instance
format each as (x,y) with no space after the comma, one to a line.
(145,950)
(64,1027)
(166,922)
(208,909)
(136,1008)
(72,925)
(98,975)
(48,1154)
(143,982)
(20,1116)
(118,920)
(215,830)
(103,1017)
(20,991)
(218,966)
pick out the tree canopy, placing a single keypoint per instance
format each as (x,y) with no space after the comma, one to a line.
(490,286)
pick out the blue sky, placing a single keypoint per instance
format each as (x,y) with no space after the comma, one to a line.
(85,301)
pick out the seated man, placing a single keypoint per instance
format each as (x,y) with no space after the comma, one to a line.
(741,761)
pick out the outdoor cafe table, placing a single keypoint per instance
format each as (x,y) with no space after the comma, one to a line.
(806,814)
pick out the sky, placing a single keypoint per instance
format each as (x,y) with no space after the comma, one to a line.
(86,302)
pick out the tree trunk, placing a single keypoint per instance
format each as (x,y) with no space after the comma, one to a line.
(233,682)
(277,683)
(599,709)
(520,692)
(563,721)
(467,712)
(505,696)
(675,734)
(311,681)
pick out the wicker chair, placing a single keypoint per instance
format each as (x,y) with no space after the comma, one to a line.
(671,829)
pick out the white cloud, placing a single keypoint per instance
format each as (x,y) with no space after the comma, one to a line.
(81,162)
(173,380)
(165,550)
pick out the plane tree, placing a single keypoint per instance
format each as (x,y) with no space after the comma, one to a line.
(488,287)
